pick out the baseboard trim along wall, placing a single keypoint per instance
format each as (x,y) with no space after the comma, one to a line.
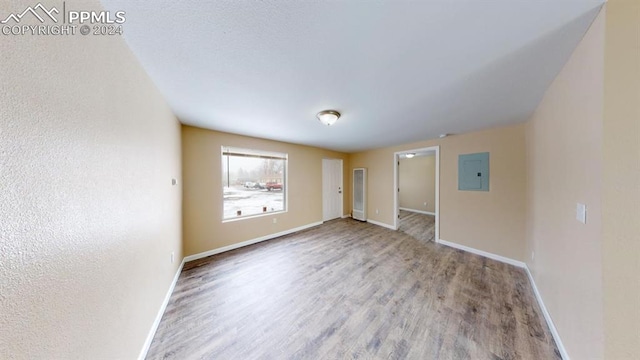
(381,224)
(163,307)
(248,242)
(547,317)
(489,255)
(418,211)
(520,264)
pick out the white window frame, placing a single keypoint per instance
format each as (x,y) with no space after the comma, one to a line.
(253,153)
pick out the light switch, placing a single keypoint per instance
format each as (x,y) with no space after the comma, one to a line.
(581,213)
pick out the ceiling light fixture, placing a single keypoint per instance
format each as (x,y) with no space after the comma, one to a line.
(328,117)
(409,155)
(443,136)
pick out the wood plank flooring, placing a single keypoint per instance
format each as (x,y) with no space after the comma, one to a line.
(420,226)
(351,290)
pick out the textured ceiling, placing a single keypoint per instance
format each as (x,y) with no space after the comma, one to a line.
(398,71)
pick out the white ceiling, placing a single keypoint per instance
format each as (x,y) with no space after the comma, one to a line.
(398,71)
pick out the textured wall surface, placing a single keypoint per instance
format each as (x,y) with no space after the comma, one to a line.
(89,217)
(417,183)
(621,180)
(564,166)
(490,221)
(202,205)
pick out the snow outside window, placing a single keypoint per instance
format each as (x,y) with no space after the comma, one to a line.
(253,182)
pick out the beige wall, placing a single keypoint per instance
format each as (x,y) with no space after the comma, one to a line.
(202,191)
(89,217)
(564,158)
(621,180)
(417,183)
(88,148)
(490,221)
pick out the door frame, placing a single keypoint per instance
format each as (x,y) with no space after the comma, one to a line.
(341,187)
(396,205)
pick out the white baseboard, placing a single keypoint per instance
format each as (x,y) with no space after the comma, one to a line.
(520,264)
(163,307)
(381,224)
(418,211)
(547,317)
(489,255)
(248,242)
(346,216)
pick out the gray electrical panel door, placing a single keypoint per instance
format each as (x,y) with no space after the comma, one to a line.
(473,172)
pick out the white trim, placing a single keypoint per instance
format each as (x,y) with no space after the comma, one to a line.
(346,216)
(357,213)
(489,255)
(520,264)
(285,182)
(341,186)
(253,216)
(418,211)
(396,204)
(248,242)
(163,307)
(547,317)
(381,224)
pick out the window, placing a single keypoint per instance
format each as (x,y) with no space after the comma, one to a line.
(253,182)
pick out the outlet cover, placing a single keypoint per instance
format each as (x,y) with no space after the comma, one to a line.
(581,213)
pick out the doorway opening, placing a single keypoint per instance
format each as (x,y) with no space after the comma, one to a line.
(417,192)
(332,189)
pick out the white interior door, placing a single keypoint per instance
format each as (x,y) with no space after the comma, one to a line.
(331,189)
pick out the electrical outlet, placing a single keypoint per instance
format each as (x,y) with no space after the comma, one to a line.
(377,211)
(173,257)
(275,220)
(533,255)
(425,203)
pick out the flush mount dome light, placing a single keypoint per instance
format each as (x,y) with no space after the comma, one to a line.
(409,155)
(328,117)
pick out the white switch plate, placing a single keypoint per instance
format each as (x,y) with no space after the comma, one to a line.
(275,220)
(581,213)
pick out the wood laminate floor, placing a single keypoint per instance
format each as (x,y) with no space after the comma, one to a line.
(420,226)
(351,290)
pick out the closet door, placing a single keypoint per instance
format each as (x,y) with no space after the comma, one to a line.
(360,194)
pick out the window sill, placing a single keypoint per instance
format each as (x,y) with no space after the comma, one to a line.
(246,217)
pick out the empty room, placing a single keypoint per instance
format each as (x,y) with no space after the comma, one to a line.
(344,179)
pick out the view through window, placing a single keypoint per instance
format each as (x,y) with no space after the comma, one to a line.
(253,182)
